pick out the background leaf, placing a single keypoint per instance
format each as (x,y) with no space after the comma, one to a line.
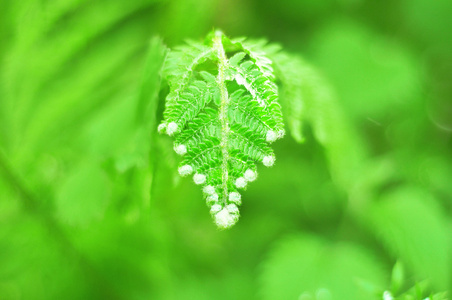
(303,265)
(413,228)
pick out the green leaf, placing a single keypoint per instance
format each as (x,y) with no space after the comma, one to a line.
(307,97)
(237,58)
(414,230)
(374,74)
(221,140)
(397,278)
(305,264)
(83,196)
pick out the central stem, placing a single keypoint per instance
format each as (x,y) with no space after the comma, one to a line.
(223,114)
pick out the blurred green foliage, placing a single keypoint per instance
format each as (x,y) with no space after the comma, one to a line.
(91,206)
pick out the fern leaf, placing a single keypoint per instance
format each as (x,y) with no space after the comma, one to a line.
(223,111)
(307,98)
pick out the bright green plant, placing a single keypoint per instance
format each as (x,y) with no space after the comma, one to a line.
(402,289)
(223,111)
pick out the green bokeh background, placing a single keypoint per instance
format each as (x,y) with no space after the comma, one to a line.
(91,206)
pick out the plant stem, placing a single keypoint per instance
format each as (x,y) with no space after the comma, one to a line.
(223,114)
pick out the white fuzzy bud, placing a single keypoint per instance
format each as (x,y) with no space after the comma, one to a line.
(271,136)
(180,149)
(387,296)
(224,219)
(240,182)
(185,170)
(172,128)
(212,198)
(268,161)
(235,197)
(199,178)
(209,190)
(215,208)
(281,133)
(161,128)
(250,175)
(232,208)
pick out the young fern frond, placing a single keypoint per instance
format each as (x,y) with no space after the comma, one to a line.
(307,98)
(223,112)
